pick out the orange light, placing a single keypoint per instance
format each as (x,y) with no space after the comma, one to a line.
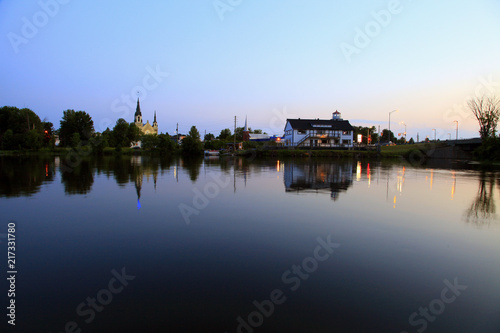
(278,139)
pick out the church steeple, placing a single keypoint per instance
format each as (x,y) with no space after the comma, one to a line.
(246,133)
(155,124)
(138,114)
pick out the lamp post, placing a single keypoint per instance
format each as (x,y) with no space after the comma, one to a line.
(389,134)
(434,134)
(456,121)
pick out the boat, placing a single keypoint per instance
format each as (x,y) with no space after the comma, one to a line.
(211,153)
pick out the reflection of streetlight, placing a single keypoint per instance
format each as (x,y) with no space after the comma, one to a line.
(434,134)
(389,134)
(456,121)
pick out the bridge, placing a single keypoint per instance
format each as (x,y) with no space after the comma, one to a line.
(455,149)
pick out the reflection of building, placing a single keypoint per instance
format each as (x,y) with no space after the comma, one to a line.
(138,172)
(334,132)
(315,177)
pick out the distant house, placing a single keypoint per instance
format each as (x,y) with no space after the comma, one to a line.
(258,137)
(334,132)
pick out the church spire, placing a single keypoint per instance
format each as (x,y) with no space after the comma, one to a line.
(138,115)
(154,121)
(138,108)
(246,126)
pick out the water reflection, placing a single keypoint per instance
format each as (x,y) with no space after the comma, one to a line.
(319,176)
(23,176)
(193,166)
(482,209)
(79,179)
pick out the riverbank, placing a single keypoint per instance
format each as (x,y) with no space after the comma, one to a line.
(419,152)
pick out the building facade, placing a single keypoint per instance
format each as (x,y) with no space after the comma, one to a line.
(326,133)
(146,128)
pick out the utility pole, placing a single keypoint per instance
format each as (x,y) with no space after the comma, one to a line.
(177,131)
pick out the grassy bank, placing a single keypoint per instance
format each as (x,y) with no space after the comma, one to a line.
(386,152)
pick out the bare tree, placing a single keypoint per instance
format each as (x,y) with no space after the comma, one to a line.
(487,112)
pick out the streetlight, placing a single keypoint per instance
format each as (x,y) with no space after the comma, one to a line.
(456,121)
(434,134)
(389,134)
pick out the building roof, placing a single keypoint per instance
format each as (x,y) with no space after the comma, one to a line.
(259,136)
(327,124)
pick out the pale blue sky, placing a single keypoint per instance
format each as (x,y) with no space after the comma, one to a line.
(267,60)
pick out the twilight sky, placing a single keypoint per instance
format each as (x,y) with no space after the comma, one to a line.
(202,62)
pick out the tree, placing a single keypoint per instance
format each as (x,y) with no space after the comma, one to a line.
(119,134)
(487,112)
(165,144)
(8,140)
(209,137)
(25,125)
(75,122)
(224,134)
(149,141)
(213,144)
(364,132)
(99,142)
(191,144)
(75,140)
(386,136)
(48,129)
(133,134)
(123,134)
(193,133)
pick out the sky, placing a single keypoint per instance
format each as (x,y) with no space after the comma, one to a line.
(203,62)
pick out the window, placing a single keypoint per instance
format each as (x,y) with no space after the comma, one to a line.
(301,131)
(346,132)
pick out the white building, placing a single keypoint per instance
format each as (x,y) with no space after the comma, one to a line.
(334,132)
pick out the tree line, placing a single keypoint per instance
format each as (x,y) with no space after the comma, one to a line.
(22,129)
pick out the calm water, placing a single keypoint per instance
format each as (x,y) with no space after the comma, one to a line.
(157,245)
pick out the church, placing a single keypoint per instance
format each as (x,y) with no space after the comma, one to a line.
(146,128)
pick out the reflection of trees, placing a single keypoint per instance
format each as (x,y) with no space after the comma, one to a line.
(79,179)
(23,176)
(482,209)
(192,165)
